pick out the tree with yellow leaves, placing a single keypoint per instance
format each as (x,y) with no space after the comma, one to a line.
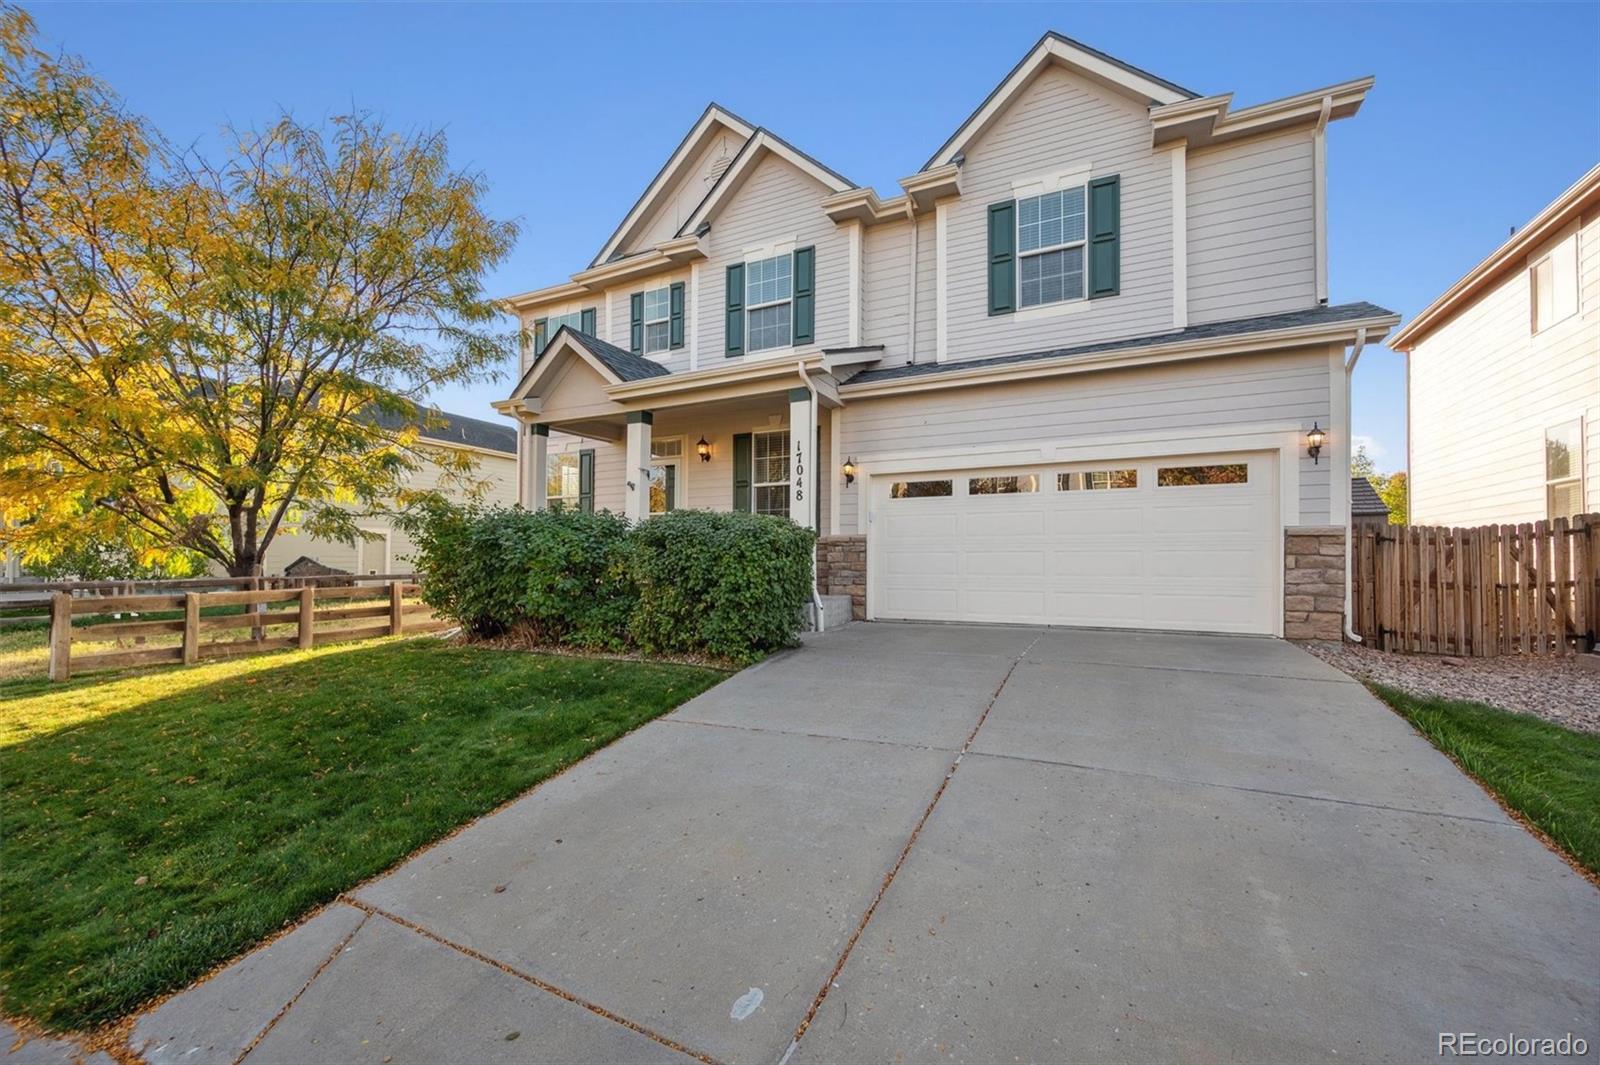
(199,356)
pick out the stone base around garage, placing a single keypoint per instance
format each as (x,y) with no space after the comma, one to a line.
(842,570)
(1313,582)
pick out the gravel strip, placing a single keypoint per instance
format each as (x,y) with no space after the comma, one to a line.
(1561,689)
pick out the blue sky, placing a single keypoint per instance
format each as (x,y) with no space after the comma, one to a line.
(1482,113)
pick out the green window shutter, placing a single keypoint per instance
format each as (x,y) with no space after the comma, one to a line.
(742,463)
(1003,257)
(733,342)
(586,321)
(586,480)
(672,486)
(675,319)
(1105,251)
(541,335)
(805,295)
(636,323)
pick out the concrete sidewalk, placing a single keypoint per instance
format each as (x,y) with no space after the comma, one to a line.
(1150,847)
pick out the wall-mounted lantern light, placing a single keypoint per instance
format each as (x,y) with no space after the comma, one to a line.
(1314,441)
(703,449)
(850,471)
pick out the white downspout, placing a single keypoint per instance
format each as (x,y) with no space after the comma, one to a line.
(1349,519)
(816,596)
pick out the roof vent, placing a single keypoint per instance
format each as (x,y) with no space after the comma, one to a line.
(718,167)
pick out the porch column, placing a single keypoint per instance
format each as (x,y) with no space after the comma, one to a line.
(636,487)
(802,458)
(535,493)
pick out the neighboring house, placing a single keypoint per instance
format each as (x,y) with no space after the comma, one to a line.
(1503,377)
(1069,375)
(493,447)
(1366,506)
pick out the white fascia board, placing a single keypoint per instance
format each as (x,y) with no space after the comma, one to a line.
(755,373)
(564,343)
(669,172)
(1051,50)
(1203,348)
(756,149)
(1209,121)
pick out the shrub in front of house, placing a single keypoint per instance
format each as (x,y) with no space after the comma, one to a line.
(694,582)
(729,585)
(559,575)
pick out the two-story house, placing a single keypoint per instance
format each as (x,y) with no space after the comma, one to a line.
(1503,377)
(1081,370)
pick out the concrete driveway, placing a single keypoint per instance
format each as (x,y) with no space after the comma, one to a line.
(914,843)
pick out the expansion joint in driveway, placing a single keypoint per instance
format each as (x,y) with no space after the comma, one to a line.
(528,978)
(905,852)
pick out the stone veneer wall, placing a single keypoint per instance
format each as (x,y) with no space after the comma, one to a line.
(1313,582)
(842,570)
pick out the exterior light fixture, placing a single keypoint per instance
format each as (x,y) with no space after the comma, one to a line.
(849,471)
(1314,441)
(703,449)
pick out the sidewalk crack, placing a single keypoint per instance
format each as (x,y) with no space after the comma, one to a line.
(334,953)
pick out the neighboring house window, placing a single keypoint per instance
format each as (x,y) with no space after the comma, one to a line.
(561,481)
(657,315)
(1553,282)
(665,455)
(768,286)
(770,472)
(1563,470)
(1050,246)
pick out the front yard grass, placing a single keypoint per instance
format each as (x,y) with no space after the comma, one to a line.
(1548,774)
(158,823)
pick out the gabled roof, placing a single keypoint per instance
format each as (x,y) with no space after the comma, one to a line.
(1238,327)
(1364,499)
(447,428)
(615,364)
(1582,195)
(714,115)
(763,143)
(1054,47)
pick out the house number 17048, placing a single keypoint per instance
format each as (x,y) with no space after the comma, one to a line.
(798,479)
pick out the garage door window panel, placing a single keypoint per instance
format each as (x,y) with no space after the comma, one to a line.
(921,489)
(1012,484)
(1219,473)
(1097,479)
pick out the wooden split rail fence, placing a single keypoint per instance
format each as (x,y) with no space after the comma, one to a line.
(1481,592)
(274,619)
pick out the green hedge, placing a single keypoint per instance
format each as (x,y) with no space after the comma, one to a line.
(731,586)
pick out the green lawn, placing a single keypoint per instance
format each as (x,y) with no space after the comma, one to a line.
(1548,774)
(154,824)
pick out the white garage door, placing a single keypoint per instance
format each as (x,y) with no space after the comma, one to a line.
(1185,543)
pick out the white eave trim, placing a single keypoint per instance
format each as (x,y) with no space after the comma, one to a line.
(1199,348)
(563,341)
(1052,49)
(1580,196)
(669,173)
(1207,120)
(668,255)
(754,150)
(735,372)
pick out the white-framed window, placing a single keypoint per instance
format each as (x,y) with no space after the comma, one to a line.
(1563,469)
(1051,232)
(657,320)
(769,473)
(1553,285)
(768,290)
(561,481)
(666,453)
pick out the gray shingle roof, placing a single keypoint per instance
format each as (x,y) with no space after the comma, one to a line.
(457,429)
(1364,499)
(625,364)
(1345,312)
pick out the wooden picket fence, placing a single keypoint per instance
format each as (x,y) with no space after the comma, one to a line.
(273,619)
(1493,590)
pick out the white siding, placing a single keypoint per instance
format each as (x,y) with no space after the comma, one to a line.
(886,302)
(1484,389)
(499,472)
(685,194)
(1207,399)
(776,203)
(1058,123)
(620,301)
(1252,228)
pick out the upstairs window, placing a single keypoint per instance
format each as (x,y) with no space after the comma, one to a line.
(769,286)
(1563,470)
(545,328)
(1553,285)
(1050,245)
(657,320)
